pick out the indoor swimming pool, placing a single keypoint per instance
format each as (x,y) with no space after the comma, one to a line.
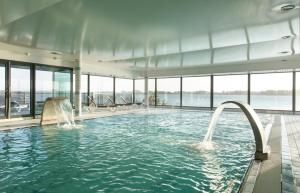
(147,151)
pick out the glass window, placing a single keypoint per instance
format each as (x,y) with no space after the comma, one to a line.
(151,90)
(271,91)
(51,82)
(139,90)
(124,91)
(297,91)
(62,84)
(230,87)
(101,89)
(84,89)
(20,91)
(43,88)
(2,91)
(168,91)
(196,91)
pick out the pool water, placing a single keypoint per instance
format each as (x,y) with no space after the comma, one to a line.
(149,151)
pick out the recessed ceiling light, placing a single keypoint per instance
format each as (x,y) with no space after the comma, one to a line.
(284,52)
(284,7)
(27,54)
(286,37)
(288,7)
(56,53)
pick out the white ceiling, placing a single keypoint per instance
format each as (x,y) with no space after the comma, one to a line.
(146,36)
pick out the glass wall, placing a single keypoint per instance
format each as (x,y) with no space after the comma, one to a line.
(20,91)
(84,90)
(230,87)
(101,90)
(151,90)
(196,91)
(139,92)
(268,90)
(51,82)
(2,91)
(62,84)
(271,91)
(168,91)
(124,91)
(297,91)
(43,88)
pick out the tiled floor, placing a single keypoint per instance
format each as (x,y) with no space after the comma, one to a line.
(292,125)
(288,181)
(269,176)
(281,172)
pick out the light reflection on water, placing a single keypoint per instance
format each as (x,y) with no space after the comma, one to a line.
(141,152)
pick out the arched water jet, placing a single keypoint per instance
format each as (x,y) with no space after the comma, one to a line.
(262,149)
(57,110)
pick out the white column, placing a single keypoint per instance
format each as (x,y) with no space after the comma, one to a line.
(146,97)
(78,108)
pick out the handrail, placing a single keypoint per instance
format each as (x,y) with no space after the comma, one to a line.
(124,100)
(109,99)
(92,100)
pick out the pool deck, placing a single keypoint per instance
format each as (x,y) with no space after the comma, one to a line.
(292,165)
(279,174)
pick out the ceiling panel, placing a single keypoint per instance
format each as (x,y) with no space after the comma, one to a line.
(231,54)
(197,58)
(229,38)
(269,32)
(200,42)
(174,33)
(270,49)
(12,10)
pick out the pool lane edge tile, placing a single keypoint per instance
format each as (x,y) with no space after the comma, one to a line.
(292,124)
(248,184)
(288,182)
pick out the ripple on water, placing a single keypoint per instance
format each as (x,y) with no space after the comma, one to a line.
(154,151)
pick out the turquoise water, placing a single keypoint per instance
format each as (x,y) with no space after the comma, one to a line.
(149,151)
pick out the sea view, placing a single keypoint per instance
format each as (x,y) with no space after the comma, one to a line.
(273,101)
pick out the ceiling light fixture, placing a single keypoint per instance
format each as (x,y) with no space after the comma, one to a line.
(284,52)
(286,37)
(288,7)
(56,53)
(284,7)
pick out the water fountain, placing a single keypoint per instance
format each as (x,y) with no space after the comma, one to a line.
(57,110)
(262,149)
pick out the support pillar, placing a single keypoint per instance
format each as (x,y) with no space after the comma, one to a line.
(146,97)
(78,104)
(211,92)
(7,90)
(294,93)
